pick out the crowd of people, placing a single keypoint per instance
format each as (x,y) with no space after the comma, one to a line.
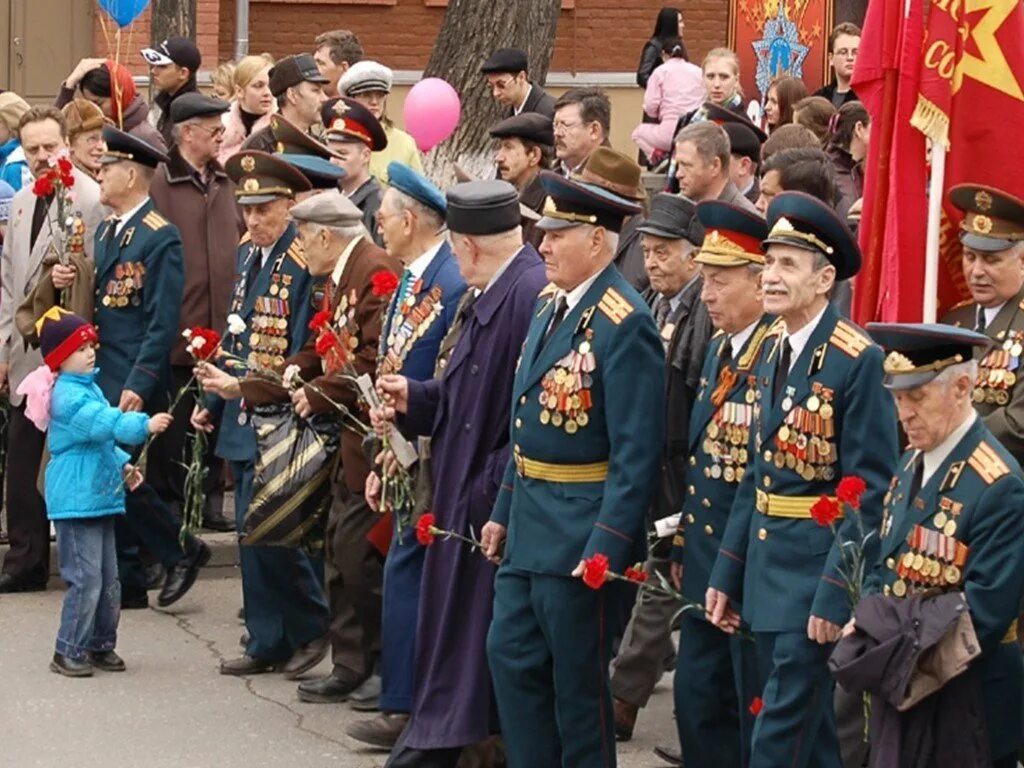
(629,415)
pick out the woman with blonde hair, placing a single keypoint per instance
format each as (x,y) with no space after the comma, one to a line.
(85,134)
(223,79)
(253,105)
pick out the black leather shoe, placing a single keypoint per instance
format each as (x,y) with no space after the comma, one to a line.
(183,576)
(382,731)
(106,661)
(216,521)
(366,698)
(327,690)
(246,665)
(155,575)
(305,658)
(9,583)
(65,665)
(134,602)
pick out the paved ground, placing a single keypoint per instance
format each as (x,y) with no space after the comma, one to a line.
(172,709)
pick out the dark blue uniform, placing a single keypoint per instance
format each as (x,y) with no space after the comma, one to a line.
(139,283)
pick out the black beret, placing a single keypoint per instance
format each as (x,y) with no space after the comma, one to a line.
(195,104)
(743,141)
(510,60)
(526,125)
(291,71)
(483,207)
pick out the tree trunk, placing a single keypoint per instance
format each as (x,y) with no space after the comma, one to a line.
(172,18)
(471,30)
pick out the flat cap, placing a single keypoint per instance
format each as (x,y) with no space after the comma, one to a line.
(123,146)
(918,352)
(510,60)
(332,209)
(673,218)
(743,141)
(803,221)
(365,76)
(526,125)
(261,177)
(732,235)
(320,173)
(346,120)
(994,219)
(288,138)
(174,50)
(415,185)
(571,203)
(292,70)
(195,104)
(483,207)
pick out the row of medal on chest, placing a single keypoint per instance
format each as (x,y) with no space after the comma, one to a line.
(997,372)
(565,396)
(124,288)
(932,559)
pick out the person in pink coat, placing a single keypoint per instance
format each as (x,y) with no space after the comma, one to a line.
(674,89)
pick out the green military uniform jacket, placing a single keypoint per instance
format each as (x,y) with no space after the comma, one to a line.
(999,393)
(140,276)
(965,531)
(587,433)
(833,419)
(719,439)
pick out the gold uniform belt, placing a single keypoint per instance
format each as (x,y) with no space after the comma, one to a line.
(561,473)
(1011,634)
(796,507)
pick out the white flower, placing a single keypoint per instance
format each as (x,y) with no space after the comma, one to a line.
(70,221)
(187,333)
(291,375)
(198,343)
(236,324)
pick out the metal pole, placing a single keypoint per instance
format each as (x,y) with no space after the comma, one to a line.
(241,28)
(931,259)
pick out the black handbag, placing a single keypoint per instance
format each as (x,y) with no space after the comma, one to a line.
(291,490)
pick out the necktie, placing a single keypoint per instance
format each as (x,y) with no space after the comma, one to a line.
(661,311)
(561,305)
(38,219)
(980,325)
(255,265)
(915,483)
(782,371)
(404,285)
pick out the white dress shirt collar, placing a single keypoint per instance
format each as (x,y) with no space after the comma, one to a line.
(126,217)
(339,268)
(526,98)
(420,263)
(737,340)
(798,340)
(934,458)
(575,296)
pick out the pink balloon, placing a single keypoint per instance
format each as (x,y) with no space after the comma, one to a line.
(431,112)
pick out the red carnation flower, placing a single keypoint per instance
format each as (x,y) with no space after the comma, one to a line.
(67,180)
(43,186)
(384,283)
(756,705)
(326,343)
(64,165)
(825,511)
(850,489)
(636,574)
(203,342)
(424,534)
(595,571)
(320,320)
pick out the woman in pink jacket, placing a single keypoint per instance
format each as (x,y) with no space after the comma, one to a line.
(252,106)
(674,89)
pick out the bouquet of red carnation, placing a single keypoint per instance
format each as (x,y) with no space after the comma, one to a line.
(827,511)
(69,235)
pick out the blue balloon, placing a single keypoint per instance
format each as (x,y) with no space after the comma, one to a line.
(124,12)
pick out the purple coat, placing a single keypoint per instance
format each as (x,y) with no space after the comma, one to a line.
(466,413)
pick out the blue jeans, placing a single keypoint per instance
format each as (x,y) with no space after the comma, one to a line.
(92,604)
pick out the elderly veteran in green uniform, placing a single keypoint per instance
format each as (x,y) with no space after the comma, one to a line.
(285,608)
(820,413)
(140,278)
(711,706)
(587,423)
(992,234)
(953,518)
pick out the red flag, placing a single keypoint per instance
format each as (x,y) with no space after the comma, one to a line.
(894,217)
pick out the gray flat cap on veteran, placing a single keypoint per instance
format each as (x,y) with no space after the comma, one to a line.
(332,209)
(483,207)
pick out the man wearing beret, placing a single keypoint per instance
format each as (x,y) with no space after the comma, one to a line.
(192,191)
(509,81)
(422,309)
(525,147)
(139,284)
(670,237)
(586,429)
(952,522)
(745,149)
(452,705)
(354,134)
(285,609)
(712,712)
(298,86)
(337,247)
(992,235)
(819,377)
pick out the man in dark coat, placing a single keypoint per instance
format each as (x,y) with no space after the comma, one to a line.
(507,77)
(525,146)
(298,86)
(173,66)
(453,706)
(669,246)
(192,191)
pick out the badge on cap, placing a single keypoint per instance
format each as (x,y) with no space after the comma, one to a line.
(983,201)
(248,164)
(250,185)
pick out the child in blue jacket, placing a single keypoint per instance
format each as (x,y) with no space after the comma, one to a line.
(85,485)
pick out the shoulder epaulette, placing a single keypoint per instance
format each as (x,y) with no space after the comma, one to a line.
(987,463)
(296,254)
(245,239)
(614,306)
(964,303)
(154,221)
(849,338)
(753,348)
(717,333)
(776,328)
(548,290)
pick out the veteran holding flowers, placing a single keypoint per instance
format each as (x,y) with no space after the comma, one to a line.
(820,413)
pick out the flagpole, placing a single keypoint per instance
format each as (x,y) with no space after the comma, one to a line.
(931,258)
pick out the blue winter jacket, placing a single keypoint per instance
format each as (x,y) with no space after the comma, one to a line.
(83,478)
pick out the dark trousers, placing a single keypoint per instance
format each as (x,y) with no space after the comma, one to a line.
(148,525)
(167,458)
(797,723)
(403,572)
(354,586)
(282,589)
(549,648)
(28,530)
(405,757)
